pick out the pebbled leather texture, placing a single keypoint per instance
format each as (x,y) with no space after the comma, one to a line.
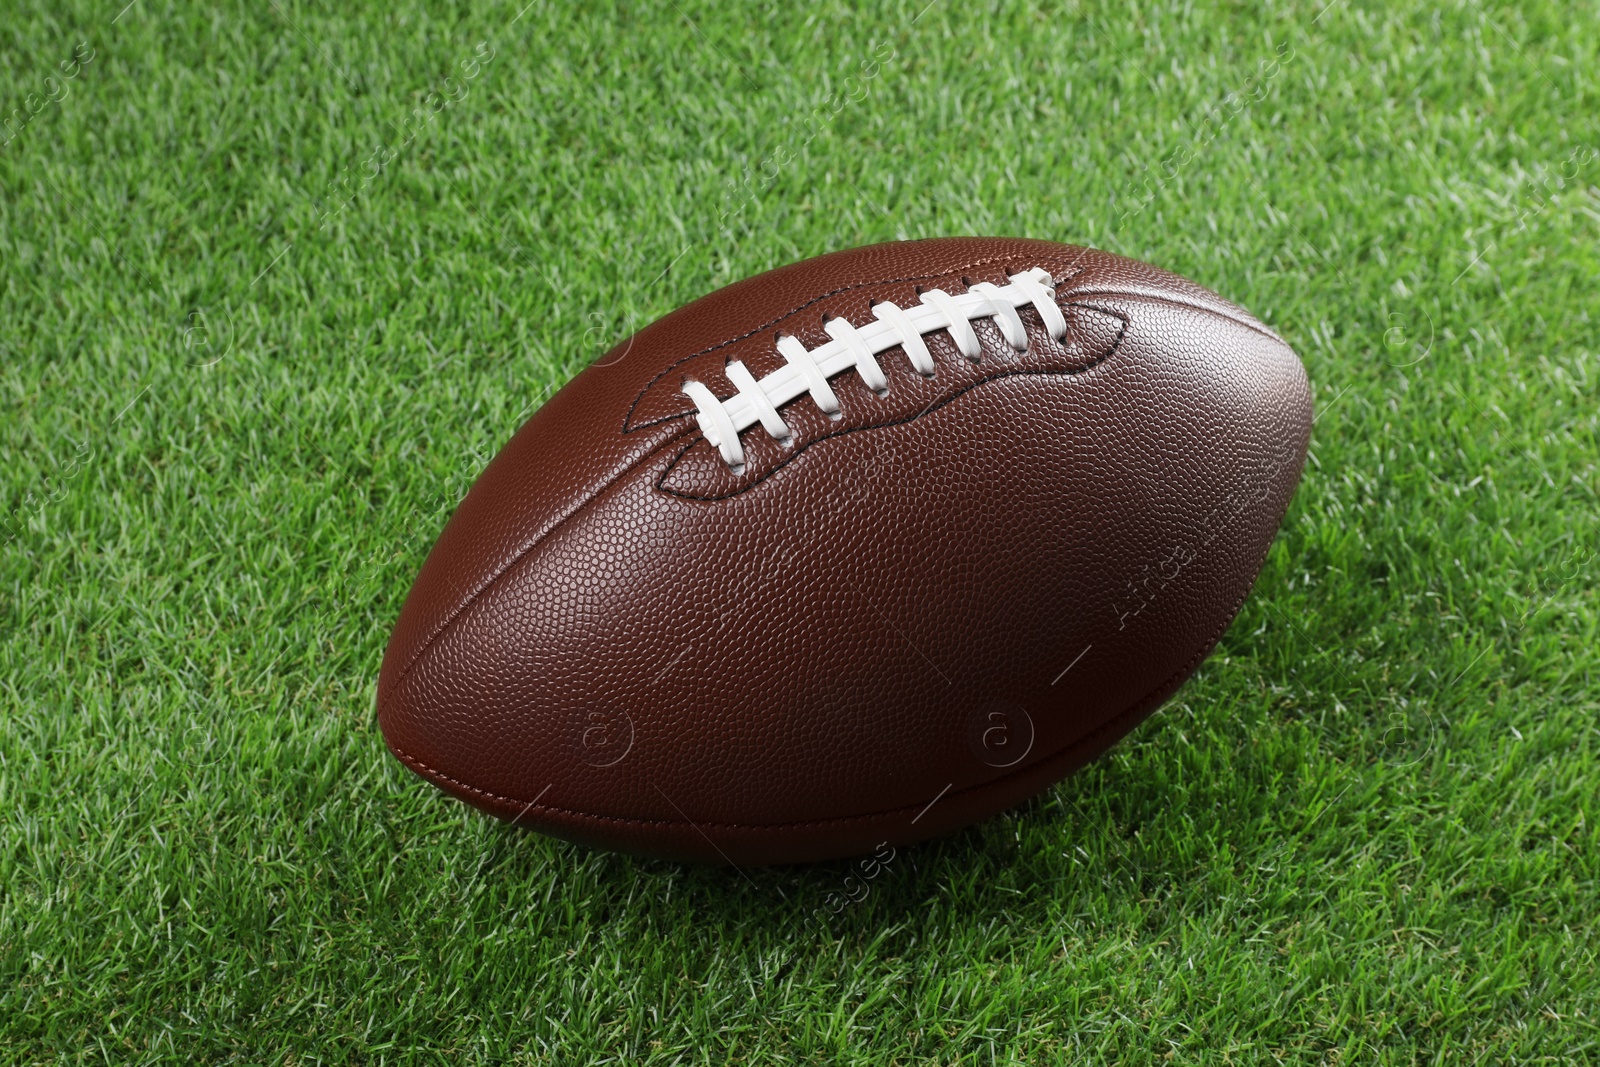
(904,621)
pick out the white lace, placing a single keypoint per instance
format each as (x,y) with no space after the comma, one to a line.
(857,347)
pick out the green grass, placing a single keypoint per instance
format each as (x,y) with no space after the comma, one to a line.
(239,402)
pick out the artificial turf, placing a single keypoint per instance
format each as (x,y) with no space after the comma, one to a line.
(276,280)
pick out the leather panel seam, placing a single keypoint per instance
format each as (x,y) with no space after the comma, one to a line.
(935,406)
(1193,305)
(489,583)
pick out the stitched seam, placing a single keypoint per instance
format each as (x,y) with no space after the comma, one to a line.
(1220,313)
(627,421)
(795,454)
(535,543)
(1065,751)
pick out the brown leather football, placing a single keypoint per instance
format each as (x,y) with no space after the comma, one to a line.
(860,550)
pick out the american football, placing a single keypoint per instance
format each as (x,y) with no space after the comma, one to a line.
(858,551)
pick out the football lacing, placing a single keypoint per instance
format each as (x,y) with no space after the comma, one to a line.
(857,347)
